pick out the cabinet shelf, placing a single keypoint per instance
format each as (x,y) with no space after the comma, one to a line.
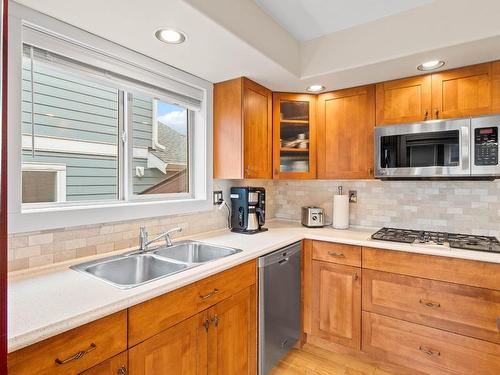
(294,150)
(294,122)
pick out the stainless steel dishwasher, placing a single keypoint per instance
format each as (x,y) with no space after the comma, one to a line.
(279,305)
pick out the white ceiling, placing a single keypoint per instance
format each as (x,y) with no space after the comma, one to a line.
(309,19)
(232,38)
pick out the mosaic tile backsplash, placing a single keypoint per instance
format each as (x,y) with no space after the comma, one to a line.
(452,206)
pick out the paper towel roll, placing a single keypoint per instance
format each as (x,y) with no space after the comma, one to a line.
(341,211)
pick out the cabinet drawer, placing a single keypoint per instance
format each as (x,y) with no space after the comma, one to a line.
(453,270)
(101,340)
(337,253)
(153,316)
(427,349)
(457,308)
(218,287)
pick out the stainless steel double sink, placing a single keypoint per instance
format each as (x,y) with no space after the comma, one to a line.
(136,268)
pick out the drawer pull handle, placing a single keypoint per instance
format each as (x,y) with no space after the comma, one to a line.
(334,254)
(430,304)
(212,293)
(122,370)
(355,276)
(76,356)
(206,324)
(429,351)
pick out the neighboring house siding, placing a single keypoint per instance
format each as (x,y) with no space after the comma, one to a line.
(87,177)
(68,107)
(142,117)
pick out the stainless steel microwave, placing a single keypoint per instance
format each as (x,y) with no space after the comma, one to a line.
(457,148)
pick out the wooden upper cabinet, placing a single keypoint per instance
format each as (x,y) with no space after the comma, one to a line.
(468,91)
(404,100)
(346,122)
(294,136)
(242,130)
(336,303)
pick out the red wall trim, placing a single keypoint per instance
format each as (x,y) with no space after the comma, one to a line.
(3,198)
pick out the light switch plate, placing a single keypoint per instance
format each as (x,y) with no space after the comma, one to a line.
(353,196)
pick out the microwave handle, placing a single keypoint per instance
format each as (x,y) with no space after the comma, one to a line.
(465,147)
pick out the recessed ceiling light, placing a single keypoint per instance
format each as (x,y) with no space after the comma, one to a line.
(430,65)
(315,88)
(170,35)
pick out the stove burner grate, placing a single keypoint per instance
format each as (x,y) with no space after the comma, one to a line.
(455,240)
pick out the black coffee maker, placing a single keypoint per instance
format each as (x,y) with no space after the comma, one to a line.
(248,209)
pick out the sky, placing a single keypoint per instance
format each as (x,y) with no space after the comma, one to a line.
(173,116)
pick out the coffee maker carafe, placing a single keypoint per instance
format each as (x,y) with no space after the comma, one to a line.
(248,209)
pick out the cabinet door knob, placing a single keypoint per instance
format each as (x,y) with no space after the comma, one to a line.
(122,370)
(355,276)
(215,320)
(426,115)
(436,113)
(206,324)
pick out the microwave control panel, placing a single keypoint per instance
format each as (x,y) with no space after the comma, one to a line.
(486,146)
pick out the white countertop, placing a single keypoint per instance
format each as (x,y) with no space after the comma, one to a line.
(45,302)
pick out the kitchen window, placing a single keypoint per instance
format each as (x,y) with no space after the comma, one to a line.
(100,128)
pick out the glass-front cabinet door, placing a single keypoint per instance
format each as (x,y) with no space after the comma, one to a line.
(294,128)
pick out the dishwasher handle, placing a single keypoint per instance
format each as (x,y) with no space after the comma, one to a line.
(280,256)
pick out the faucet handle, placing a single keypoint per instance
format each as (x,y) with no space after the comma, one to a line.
(167,235)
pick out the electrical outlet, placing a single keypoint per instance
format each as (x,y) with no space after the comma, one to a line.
(353,196)
(218,198)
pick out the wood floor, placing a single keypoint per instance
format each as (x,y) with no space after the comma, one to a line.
(311,360)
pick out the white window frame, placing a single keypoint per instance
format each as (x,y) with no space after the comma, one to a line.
(129,64)
(59,169)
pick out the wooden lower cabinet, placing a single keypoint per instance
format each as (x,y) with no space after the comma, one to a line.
(336,303)
(426,349)
(74,351)
(232,337)
(117,365)
(410,313)
(180,350)
(462,309)
(220,340)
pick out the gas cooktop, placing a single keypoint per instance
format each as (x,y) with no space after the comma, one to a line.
(457,241)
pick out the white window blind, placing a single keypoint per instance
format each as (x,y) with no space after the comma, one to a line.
(60,50)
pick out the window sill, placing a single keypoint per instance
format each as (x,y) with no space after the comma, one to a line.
(45,218)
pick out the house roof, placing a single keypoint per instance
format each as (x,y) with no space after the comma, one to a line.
(175,145)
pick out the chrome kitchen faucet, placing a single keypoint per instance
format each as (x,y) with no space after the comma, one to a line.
(144,242)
